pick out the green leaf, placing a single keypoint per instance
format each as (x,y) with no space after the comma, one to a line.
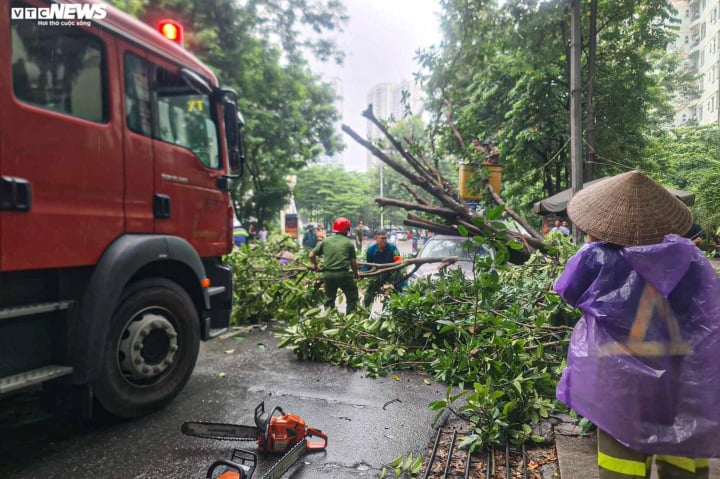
(509,407)
(416,465)
(517,385)
(494,212)
(478,221)
(514,244)
(438,404)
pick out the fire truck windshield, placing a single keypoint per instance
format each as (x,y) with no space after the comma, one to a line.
(187,118)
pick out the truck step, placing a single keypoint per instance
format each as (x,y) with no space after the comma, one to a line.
(30,309)
(214,333)
(34,376)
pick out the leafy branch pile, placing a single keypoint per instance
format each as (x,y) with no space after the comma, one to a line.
(264,289)
(503,336)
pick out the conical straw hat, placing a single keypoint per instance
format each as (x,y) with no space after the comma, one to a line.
(630,210)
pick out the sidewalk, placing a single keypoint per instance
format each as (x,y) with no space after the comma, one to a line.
(577,458)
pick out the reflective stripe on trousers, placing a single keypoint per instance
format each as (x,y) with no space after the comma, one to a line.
(616,461)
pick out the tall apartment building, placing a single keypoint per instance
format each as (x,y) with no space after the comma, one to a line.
(386,101)
(697,42)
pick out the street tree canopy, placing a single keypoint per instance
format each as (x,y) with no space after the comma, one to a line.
(502,70)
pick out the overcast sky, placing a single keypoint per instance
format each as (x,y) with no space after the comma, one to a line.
(380,40)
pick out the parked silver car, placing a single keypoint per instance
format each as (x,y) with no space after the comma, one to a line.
(442,246)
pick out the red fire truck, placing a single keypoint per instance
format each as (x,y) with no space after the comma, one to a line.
(115,151)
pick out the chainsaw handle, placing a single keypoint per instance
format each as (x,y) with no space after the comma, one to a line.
(236,473)
(315,445)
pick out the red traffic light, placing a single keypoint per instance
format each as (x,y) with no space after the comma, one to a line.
(171,30)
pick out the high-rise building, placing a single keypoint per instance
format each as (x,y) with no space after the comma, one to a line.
(697,43)
(387,103)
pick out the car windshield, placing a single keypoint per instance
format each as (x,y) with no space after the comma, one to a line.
(451,247)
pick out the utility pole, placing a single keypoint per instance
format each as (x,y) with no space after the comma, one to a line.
(590,94)
(576,160)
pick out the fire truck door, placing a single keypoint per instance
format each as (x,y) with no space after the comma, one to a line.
(188,164)
(61,149)
(137,139)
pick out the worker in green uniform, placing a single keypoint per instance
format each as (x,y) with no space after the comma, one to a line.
(339,265)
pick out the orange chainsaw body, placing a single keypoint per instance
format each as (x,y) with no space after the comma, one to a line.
(229,475)
(277,433)
(284,431)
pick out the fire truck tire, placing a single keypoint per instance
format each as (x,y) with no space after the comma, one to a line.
(151,348)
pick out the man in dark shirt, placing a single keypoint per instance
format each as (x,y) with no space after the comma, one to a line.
(339,265)
(381,252)
(309,240)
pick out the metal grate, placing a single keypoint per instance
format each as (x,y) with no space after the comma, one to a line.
(503,462)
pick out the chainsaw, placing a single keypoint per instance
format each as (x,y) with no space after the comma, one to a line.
(275,433)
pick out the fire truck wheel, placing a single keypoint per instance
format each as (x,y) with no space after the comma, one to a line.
(151,348)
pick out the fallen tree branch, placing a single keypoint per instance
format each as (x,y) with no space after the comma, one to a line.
(544,345)
(414,194)
(435,227)
(458,205)
(430,173)
(451,209)
(415,179)
(382,268)
(496,198)
(454,129)
(368,113)
(435,210)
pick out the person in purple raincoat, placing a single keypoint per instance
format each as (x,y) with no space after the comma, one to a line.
(644,360)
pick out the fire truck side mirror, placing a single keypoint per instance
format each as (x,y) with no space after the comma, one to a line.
(233,123)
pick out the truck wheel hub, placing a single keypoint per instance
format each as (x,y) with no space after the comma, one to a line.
(149,347)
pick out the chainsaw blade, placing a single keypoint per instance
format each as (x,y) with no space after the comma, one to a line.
(286,462)
(227,432)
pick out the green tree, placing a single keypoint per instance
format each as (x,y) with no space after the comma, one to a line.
(688,159)
(323,193)
(502,69)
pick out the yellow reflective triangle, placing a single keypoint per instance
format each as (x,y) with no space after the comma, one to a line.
(636,345)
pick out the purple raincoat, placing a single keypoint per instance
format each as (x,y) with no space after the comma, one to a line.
(644,360)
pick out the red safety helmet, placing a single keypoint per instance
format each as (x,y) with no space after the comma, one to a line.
(341,225)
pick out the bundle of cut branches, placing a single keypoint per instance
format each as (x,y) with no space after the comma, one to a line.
(452,211)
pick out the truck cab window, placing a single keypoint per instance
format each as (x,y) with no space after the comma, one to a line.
(58,68)
(186,118)
(137,95)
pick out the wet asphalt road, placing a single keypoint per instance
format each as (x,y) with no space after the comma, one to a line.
(231,378)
